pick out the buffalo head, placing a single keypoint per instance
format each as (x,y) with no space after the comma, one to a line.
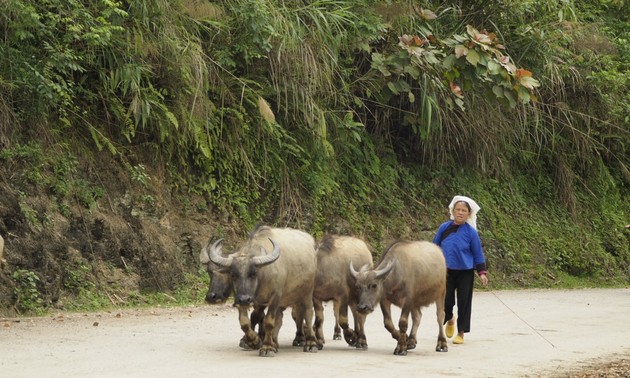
(243,268)
(369,285)
(220,281)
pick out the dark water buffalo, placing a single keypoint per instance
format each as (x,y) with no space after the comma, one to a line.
(283,277)
(334,283)
(411,275)
(221,288)
(220,281)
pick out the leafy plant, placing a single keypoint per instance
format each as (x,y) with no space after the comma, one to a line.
(28,299)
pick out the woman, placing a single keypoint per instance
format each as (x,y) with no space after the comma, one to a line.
(462,250)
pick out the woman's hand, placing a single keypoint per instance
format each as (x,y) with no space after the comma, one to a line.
(484,279)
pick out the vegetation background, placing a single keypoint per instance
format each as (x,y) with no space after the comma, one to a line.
(132,132)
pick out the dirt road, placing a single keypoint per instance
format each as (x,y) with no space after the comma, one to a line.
(515,333)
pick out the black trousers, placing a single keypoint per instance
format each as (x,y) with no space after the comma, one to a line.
(459,284)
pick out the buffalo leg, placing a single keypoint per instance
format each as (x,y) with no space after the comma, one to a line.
(387,319)
(250,340)
(319,323)
(359,328)
(389,325)
(337,330)
(348,333)
(441,346)
(403,323)
(268,349)
(305,309)
(256,319)
(299,329)
(276,329)
(416,316)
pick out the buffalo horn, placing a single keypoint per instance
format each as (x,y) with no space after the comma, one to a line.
(215,255)
(203,256)
(353,271)
(267,259)
(383,272)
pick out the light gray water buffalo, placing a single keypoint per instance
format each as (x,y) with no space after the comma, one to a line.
(221,288)
(334,283)
(281,278)
(411,275)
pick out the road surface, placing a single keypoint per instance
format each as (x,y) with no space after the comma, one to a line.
(529,333)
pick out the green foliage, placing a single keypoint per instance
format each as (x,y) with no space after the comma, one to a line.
(56,173)
(192,290)
(140,175)
(484,61)
(359,117)
(28,299)
(85,295)
(43,50)
(530,240)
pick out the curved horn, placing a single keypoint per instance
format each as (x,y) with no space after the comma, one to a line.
(267,259)
(383,272)
(353,272)
(215,255)
(204,258)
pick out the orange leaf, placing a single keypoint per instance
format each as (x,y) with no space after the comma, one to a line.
(456,89)
(521,72)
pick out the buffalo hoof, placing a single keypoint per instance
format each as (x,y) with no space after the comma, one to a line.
(248,346)
(351,337)
(298,343)
(267,352)
(399,352)
(441,348)
(337,336)
(411,345)
(362,346)
(244,345)
(311,348)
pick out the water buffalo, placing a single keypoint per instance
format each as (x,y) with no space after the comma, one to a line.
(221,288)
(411,275)
(334,283)
(278,279)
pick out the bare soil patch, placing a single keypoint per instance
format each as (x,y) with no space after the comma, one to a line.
(530,333)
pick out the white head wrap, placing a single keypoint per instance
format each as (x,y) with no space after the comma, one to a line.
(474,208)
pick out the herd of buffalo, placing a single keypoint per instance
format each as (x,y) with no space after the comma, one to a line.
(276,268)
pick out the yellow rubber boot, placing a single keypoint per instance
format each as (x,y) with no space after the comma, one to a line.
(450,329)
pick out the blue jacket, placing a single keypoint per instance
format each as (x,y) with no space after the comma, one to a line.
(462,249)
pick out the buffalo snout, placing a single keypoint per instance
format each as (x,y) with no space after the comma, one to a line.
(243,300)
(364,308)
(214,298)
